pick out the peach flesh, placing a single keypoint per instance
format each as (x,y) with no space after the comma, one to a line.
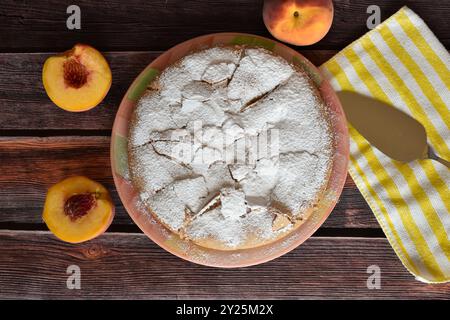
(78,79)
(78,209)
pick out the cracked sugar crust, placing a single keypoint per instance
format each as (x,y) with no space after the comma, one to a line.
(186,175)
(258,73)
(151,172)
(176,201)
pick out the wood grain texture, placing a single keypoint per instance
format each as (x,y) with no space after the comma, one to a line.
(25,105)
(159,24)
(119,265)
(30,165)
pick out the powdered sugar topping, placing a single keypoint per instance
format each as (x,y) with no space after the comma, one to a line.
(231,144)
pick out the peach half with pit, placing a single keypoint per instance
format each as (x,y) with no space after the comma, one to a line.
(78,209)
(78,79)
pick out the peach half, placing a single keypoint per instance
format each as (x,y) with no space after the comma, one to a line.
(78,79)
(298,22)
(78,209)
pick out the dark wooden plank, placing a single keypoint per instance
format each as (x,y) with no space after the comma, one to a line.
(159,24)
(33,265)
(29,165)
(25,104)
(31,109)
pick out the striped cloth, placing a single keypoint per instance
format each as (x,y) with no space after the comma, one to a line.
(402,63)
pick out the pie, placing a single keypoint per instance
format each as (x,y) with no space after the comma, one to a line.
(231,147)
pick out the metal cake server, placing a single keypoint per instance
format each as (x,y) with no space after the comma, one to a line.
(390,130)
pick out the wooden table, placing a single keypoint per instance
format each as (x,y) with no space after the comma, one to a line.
(41,144)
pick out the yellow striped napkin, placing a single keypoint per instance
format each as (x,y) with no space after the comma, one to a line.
(402,63)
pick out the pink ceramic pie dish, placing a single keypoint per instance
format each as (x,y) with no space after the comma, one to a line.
(187,249)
